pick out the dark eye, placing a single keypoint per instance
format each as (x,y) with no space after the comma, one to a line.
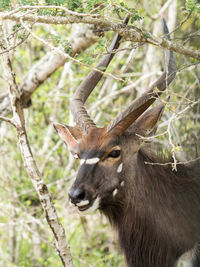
(114,154)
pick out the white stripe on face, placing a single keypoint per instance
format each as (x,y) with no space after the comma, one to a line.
(92,161)
(119,169)
(82,161)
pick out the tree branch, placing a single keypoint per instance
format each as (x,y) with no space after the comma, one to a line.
(44,68)
(7,120)
(129,33)
(36,76)
(65,54)
(31,167)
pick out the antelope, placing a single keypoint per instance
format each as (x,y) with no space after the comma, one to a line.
(154,209)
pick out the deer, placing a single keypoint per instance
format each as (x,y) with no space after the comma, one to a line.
(154,209)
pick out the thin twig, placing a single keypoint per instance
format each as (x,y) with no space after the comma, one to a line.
(129,33)
(11,121)
(172,163)
(14,46)
(73,13)
(67,55)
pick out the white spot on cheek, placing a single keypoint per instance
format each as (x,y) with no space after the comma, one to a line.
(122,183)
(115,192)
(119,169)
(75,156)
(83,203)
(92,161)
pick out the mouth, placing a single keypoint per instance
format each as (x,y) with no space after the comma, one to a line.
(90,206)
(84,205)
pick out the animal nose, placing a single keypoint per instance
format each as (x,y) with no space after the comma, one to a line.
(76,195)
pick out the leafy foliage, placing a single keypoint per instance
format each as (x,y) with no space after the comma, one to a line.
(192,5)
(5,4)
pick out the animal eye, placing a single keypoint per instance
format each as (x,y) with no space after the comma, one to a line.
(114,153)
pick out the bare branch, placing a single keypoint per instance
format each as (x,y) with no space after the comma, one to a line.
(171,143)
(171,163)
(31,167)
(7,120)
(129,33)
(65,54)
(36,76)
(67,11)
(44,68)
(14,46)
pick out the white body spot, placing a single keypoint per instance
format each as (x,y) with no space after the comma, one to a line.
(122,183)
(94,207)
(83,203)
(119,169)
(92,161)
(115,192)
(82,161)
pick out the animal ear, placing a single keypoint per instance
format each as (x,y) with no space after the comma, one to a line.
(147,122)
(70,135)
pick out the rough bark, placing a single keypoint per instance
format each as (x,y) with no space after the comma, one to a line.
(129,33)
(31,167)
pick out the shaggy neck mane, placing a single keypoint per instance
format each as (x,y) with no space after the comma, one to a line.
(148,214)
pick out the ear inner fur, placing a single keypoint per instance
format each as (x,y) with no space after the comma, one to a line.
(148,121)
(65,134)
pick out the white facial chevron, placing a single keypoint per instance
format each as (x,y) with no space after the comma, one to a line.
(82,161)
(89,161)
(92,161)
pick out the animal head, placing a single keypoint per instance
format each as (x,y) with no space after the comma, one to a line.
(105,153)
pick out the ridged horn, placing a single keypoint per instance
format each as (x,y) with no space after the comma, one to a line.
(77,108)
(139,105)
